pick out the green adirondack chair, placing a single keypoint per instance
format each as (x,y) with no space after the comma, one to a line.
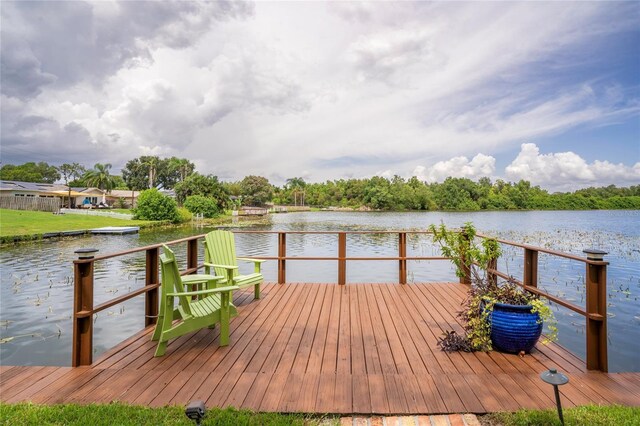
(214,305)
(220,254)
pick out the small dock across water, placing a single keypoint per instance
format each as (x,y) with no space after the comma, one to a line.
(117,230)
(109,230)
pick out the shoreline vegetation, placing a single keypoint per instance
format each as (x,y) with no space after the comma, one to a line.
(208,198)
(206,194)
(22,226)
(454,194)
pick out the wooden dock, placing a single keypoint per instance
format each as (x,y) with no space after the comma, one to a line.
(319,348)
(116,230)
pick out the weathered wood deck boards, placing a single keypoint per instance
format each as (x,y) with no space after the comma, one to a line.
(359,348)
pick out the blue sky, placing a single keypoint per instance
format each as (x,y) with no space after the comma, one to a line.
(543,91)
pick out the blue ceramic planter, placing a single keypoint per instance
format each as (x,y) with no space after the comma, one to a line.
(514,328)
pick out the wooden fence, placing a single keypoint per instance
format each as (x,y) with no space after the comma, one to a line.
(43,204)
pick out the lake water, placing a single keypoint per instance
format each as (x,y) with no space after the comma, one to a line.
(37,278)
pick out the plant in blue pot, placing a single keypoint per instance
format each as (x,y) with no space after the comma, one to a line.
(496,315)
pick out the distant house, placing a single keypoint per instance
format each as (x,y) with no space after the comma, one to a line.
(30,195)
(79,196)
(88,197)
(130,198)
(95,196)
(168,192)
(30,189)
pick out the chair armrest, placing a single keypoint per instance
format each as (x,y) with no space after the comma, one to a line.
(257,263)
(225,289)
(215,265)
(199,278)
(247,259)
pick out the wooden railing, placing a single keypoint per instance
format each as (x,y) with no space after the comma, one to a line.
(342,257)
(84,309)
(595,311)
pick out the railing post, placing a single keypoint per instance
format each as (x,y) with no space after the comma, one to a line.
(530,274)
(151,297)
(466,270)
(402,254)
(492,264)
(282,253)
(342,254)
(192,254)
(82,346)
(596,283)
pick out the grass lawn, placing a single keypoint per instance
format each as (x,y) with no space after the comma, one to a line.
(591,415)
(126,211)
(22,222)
(121,414)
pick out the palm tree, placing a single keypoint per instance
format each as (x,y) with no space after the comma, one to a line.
(177,170)
(152,163)
(185,167)
(70,171)
(99,177)
(296,184)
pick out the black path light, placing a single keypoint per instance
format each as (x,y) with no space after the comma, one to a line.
(196,411)
(556,379)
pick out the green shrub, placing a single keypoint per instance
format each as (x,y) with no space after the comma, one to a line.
(121,203)
(152,205)
(184,215)
(197,204)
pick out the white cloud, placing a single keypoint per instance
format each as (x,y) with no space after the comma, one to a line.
(560,171)
(153,109)
(567,170)
(278,88)
(381,55)
(388,174)
(70,42)
(480,166)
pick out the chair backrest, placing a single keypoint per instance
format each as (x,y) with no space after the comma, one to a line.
(221,250)
(171,280)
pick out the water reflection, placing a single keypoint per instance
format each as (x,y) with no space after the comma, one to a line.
(37,278)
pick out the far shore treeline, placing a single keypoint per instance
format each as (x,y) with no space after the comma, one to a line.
(376,193)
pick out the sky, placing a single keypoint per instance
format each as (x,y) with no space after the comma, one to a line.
(546,92)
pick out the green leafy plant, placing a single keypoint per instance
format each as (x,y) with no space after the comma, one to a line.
(198,204)
(485,291)
(152,205)
(461,248)
(121,203)
(546,315)
(184,215)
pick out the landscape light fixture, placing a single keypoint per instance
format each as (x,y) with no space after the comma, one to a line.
(86,253)
(594,254)
(196,411)
(556,379)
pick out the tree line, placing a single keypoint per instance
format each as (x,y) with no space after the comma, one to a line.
(377,193)
(463,194)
